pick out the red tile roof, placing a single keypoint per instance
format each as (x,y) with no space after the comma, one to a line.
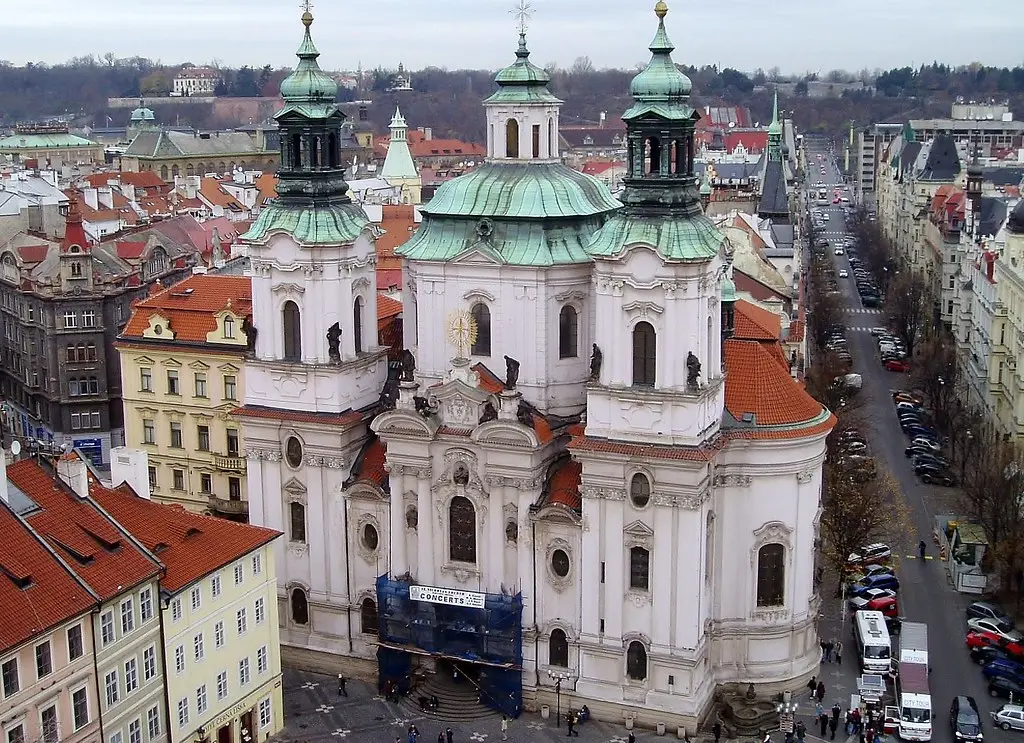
(371,468)
(755,141)
(753,323)
(703,453)
(563,487)
(398,223)
(757,384)
(189,545)
(32,254)
(387,307)
(445,148)
(36,591)
(488,381)
(147,179)
(190,306)
(74,232)
(130,249)
(596,167)
(98,551)
(796,331)
(299,416)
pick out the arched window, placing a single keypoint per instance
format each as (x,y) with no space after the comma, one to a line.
(163,172)
(535,140)
(653,155)
(357,323)
(76,269)
(368,617)
(639,568)
(292,331)
(636,661)
(640,490)
(333,158)
(771,575)
(558,649)
(645,355)
(231,166)
(175,171)
(568,332)
(220,168)
(512,138)
(482,319)
(229,327)
(300,606)
(462,529)
(190,170)
(314,151)
(551,138)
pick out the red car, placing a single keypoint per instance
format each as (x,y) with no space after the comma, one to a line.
(886,604)
(985,639)
(897,365)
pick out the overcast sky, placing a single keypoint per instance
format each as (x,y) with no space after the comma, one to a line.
(795,35)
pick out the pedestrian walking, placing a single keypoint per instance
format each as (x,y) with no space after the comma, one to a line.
(829,646)
(448,734)
(571,722)
(504,727)
(341,685)
(839,652)
(801,731)
(717,730)
(821,690)
(630,738)
(812,685)
(833,723)
(823,723)
(818,709)
(440,737)
(836,711)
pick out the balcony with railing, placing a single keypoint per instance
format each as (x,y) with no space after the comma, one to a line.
(234,509)
(229,462)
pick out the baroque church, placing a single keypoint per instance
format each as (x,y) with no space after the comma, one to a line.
(587,476)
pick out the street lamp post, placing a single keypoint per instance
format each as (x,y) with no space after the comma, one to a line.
(787,712)
(558,677)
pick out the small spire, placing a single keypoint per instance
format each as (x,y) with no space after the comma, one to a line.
(661,44)
(522,52)
(661,9)
(775,108)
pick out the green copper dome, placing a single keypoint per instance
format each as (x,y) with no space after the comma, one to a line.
(142,114)
(308,83)
(660,82)
(522,81)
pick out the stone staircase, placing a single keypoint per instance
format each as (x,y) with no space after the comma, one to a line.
(457,702)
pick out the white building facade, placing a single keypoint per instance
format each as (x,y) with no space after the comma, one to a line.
(629,511)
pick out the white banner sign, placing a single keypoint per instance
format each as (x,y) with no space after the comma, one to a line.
(451,597)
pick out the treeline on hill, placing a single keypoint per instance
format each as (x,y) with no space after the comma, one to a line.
(448,101)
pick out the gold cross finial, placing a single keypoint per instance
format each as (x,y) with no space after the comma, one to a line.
(307,6)
(522,13)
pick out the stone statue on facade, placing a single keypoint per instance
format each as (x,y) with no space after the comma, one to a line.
(692,370)
(596,358)
(525,415)
(334,342)
(511,373)
(408,362)
(250,334)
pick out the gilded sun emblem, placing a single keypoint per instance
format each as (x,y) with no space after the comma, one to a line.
(461,331)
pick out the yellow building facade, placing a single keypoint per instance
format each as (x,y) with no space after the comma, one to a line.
(182,357)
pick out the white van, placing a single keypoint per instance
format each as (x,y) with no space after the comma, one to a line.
(874,647)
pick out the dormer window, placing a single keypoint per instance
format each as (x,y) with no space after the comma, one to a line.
(588,140)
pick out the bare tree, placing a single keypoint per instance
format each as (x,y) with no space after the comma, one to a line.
(582,66)
(937,374)
(908,305)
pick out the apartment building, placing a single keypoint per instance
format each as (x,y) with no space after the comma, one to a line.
(122,578)
(182,359)
(220,618)
(47,680)
(869,144)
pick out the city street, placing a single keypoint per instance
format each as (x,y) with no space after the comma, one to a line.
(926,594)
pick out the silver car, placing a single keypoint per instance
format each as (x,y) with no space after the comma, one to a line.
(1009,717)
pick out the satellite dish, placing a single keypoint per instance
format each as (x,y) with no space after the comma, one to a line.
(15,447)
(65,447)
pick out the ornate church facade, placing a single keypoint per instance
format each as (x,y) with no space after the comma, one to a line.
(585,472)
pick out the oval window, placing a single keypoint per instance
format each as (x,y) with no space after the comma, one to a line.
(640,490)
(370,537)
(560,563)
(293,452)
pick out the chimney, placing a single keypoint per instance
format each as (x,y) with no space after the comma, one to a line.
(105,196)
(72,470)
(89,195)
(603,116)
(130,466)
(3,477)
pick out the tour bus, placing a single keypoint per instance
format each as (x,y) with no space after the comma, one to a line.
(873,645)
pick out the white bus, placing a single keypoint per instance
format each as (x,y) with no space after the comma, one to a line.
(873,645)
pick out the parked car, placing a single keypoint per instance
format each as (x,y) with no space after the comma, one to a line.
(861,572)
(964,719)
(871,553)
(908,396)
(860,602)
(1004,667)
(987,610)
(928,459)
(924,443)
(1009,717)
(985,655)
(930,474)
(897,365)
(883,580)
(1006,631)
(889,606)
(1005,687)
(987,639)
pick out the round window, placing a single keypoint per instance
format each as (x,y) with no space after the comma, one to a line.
(370,538)
(640,490)
(293,452)
(560,563)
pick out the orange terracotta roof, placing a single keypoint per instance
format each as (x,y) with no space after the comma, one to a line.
(189,545)
(753,323)
(596,167)
(210,189)
(36,591)
(563,487)
(488,381)
(398,223)
(267,186)
(32,254)
(371,465)
(796,331)
(190,306)
(95,548)
(299,416)
(445,148)
(757,384)
(387,307)
(142,179)
(704,453)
